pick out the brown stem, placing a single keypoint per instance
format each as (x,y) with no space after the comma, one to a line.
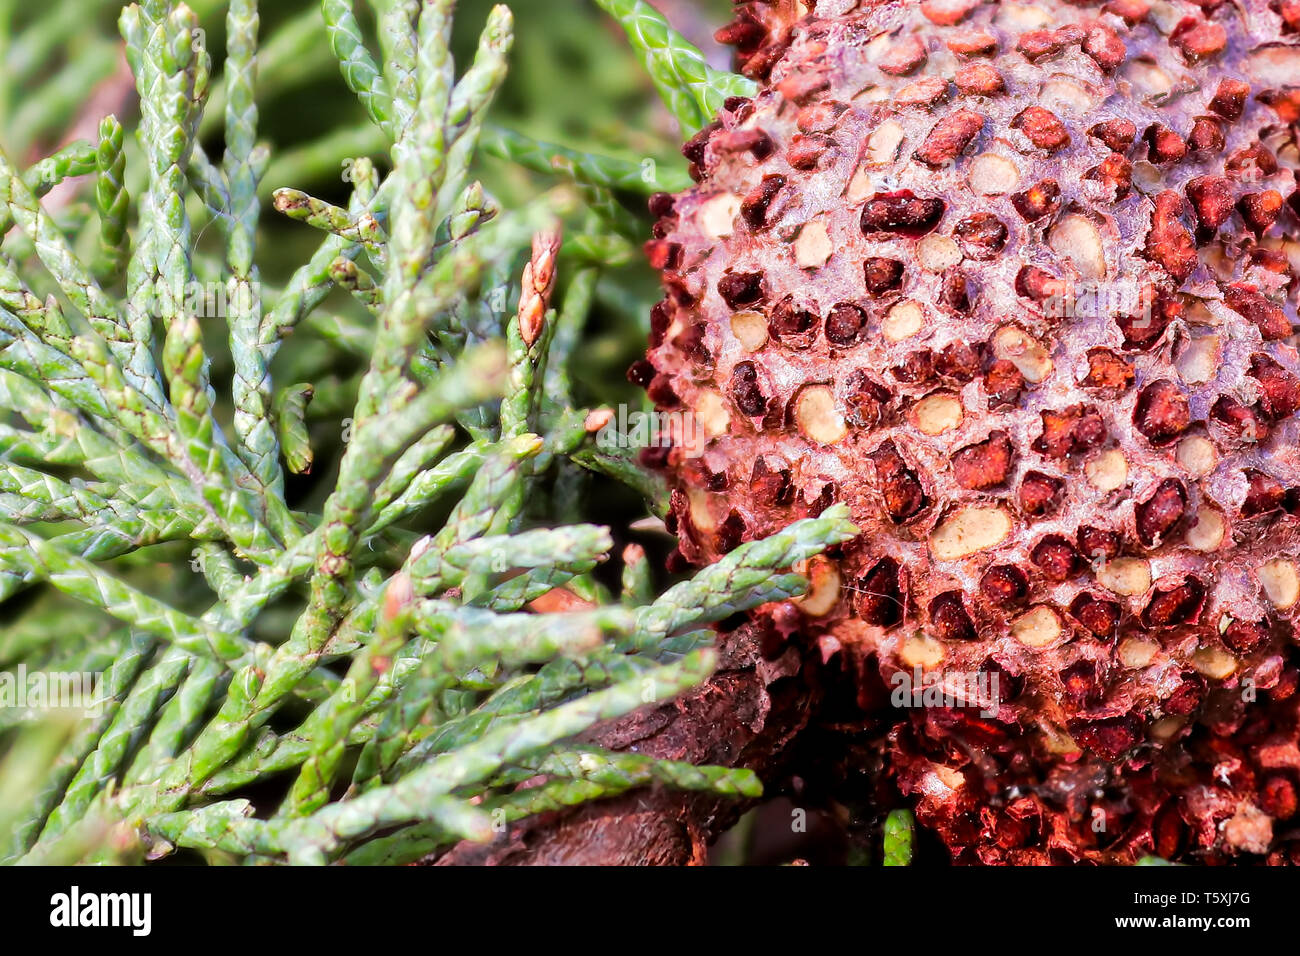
(746,715)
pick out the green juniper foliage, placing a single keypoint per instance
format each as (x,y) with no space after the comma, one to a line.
(354,673)
(899,838)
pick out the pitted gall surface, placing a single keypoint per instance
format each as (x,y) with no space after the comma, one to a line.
(1017,282)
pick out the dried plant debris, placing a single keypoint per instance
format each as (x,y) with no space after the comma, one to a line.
(1041,344)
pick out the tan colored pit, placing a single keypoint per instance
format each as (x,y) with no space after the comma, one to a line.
(1078,240)
(1208,531)
(1136,653)
(1281,582)
(1038,627)
(921,651)
(1129,577)
(1214,663)
(970,531)
(936,253)
(1061,95)
(883,144)
(716,216)
(950,778)
(1031,359)
(993,175)
(701,512)
(711,412)
(817,417)
(750,330)
(937,413)
(812,247)
(1108,471)
(1148,79)
(903,321)
(1198,455)
(1199,359)
(824,585)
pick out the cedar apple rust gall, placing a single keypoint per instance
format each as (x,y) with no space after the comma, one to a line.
(1017,283)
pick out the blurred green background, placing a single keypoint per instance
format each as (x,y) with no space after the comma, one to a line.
(573,80)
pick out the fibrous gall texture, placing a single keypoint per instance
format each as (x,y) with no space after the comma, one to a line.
(1017,283)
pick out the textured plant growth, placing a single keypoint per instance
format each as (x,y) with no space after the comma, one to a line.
(1016,283)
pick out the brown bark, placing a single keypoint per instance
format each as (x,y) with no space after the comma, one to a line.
(746,715)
